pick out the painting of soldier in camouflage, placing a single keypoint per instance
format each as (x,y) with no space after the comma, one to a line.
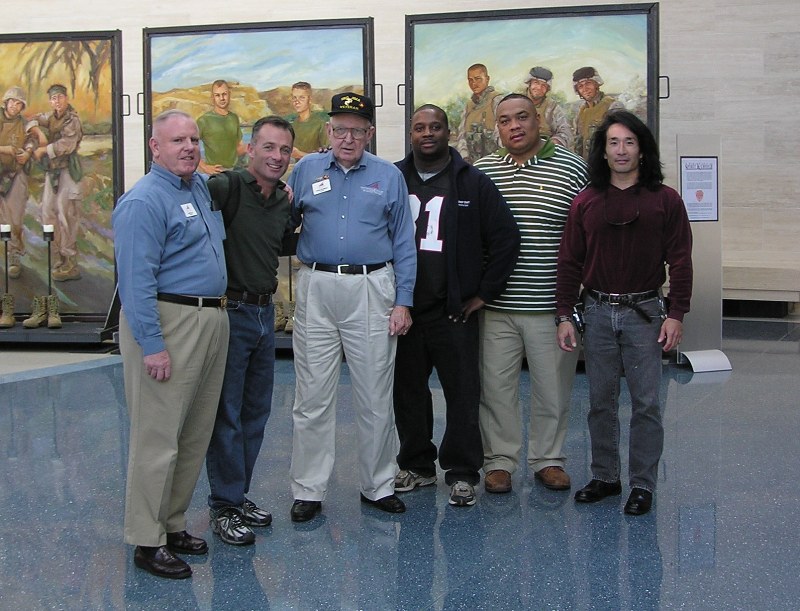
(60,167)
(534,52)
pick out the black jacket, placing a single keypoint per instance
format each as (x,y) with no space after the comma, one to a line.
(480,233)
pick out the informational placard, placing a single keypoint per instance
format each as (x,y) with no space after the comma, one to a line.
(700,187)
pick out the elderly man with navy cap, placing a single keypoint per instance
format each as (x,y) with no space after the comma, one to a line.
(553,122)
(354,290)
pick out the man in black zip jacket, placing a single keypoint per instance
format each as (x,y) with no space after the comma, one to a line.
(467,244)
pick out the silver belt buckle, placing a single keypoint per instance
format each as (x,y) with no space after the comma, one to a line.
(339,269)
(613,298)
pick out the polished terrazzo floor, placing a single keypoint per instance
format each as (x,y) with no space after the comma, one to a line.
(723,533)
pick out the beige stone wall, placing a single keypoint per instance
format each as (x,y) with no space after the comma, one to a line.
(733,66)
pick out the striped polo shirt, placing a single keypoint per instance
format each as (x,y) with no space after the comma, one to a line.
(539,194)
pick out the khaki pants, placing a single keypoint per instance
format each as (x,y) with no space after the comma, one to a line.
(12,211)
(171,422)
(61,209)
(350,314)
(504,340)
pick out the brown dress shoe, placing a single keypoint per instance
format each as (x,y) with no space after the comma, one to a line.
(161,562)
(184,543)
(497,481)
(554,478)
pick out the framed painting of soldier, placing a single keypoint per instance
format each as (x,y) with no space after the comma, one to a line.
(575,63)
(229,76)
(61,169)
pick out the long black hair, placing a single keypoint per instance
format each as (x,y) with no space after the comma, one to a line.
(650,175)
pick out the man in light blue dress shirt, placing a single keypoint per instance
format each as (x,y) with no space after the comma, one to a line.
(173,340)
(353,295)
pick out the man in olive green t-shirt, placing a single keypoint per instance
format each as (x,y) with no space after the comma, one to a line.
(220,132)
(309,125)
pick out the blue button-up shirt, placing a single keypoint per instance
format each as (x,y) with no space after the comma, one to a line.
(357,217)
(166,240)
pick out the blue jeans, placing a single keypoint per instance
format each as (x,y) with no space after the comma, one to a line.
(244,405)
(618,339)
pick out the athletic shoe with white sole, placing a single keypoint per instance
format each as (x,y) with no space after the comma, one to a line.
(227,523)
(405,481)
(462,494)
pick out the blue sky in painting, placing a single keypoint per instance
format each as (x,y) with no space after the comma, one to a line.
(327,57)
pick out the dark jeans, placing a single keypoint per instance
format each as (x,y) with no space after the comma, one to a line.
(244,405)
(618,339)
(451,347)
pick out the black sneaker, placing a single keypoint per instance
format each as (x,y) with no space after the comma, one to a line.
(227,523)
(252,515)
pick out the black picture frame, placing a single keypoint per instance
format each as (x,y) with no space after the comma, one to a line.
(284,52)
(440,47)
(89,65)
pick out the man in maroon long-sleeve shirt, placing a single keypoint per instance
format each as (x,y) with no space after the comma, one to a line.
(620,233)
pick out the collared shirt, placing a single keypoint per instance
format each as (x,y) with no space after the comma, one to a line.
(619,241)
(255,236)
(65,135)
(166,240)
(539,194)
(357,217)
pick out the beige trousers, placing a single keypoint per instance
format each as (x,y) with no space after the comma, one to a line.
(61,209)
(171,422)
(12,211)
(350,314)
(504,340)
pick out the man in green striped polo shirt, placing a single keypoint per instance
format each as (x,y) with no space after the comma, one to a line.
(538,179)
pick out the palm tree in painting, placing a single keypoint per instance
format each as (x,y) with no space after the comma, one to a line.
(77,56)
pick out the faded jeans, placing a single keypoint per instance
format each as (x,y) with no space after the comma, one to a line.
(617,339)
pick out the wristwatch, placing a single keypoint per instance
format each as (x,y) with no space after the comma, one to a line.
(563,318)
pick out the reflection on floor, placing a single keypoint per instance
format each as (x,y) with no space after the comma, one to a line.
(723,533)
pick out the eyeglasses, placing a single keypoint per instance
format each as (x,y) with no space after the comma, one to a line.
(618,223)
(340,133)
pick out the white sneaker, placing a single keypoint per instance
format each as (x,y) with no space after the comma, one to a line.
(408,480)
(462,494)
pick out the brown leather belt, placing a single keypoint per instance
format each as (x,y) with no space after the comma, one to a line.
(200,302)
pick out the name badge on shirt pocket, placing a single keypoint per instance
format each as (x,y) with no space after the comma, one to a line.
(321,186)
(188,210)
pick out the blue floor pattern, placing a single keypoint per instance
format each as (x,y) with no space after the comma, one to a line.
(723,533)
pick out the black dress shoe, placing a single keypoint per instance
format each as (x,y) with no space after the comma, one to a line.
(596,490)
(389,504)
(303,511)
(184,543)
(160,562)
(639,502)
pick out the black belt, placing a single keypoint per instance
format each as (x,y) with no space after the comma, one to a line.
(629,300)
(623,298)
(251,298)
(201,302)
(347,269)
